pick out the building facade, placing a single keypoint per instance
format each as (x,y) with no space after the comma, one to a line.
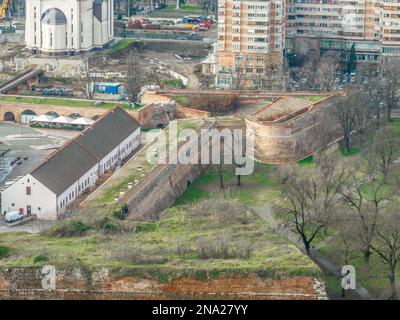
(58,27)
(50,189)
(263,32)
(251,37)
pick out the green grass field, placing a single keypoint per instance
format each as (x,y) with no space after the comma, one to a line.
(121,45)
(172,246)
(311,98)
(62,102)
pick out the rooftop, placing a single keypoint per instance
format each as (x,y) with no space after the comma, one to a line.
(72,160)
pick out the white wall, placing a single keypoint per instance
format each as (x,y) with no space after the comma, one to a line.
(54,38)
(50,205)
(68,196)
(120,152)
(41,200)
(84,35)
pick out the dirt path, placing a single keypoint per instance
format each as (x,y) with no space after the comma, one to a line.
(265,212)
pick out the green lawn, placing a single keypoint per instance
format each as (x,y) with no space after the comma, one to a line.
(257,188)
(306,161)
(168,247)
(121,45)
(171,246)
(62,102)
(311,98)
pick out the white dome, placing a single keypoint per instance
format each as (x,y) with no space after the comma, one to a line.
(54,16)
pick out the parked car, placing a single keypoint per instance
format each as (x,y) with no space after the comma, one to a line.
(13,216)
(159,5)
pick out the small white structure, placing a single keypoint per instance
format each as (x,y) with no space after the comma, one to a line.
(43,118)
(53,186)
(62,120)
(59,27)
(83,121)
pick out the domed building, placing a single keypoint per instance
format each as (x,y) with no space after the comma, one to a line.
(60,27)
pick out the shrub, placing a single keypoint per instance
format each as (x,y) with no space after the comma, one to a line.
(221,247)
(106,226)
(220,104)
(214,248)
(70,228)
(40,258)
(4,252)
(121,212)
(146,227)
(182,249)
(134,255)
(222,211)
(244,250)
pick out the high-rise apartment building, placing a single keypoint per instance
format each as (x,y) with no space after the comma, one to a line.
(251,36)
(254,35)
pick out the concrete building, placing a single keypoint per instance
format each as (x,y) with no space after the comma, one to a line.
(254,35)
(58,27)
(251,37)
(53,186)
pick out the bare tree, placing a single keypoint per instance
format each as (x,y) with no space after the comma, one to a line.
(352,113)
(364,206)
(325,73)
(348,239)
(384,146)
(391,86)
(309,195)
(208,6)
(155,76)
(272,74)
(238,75)
(86,82)
(387,244)
(134,77)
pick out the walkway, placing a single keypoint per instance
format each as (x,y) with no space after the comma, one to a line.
(20,79)
(265,212)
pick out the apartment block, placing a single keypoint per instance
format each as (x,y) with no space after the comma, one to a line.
(253,35)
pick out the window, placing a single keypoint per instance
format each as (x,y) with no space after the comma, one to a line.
(28,191)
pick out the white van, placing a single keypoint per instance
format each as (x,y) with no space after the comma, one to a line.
(13,216)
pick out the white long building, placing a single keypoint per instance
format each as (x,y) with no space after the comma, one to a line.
(49,189)
(58,27)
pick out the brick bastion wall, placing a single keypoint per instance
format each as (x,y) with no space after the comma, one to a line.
(294,139)
(163,187)
(80,284)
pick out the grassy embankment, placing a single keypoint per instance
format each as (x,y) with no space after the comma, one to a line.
(65,102)
(197,236)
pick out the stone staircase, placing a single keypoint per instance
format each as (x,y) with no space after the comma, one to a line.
(282,107)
